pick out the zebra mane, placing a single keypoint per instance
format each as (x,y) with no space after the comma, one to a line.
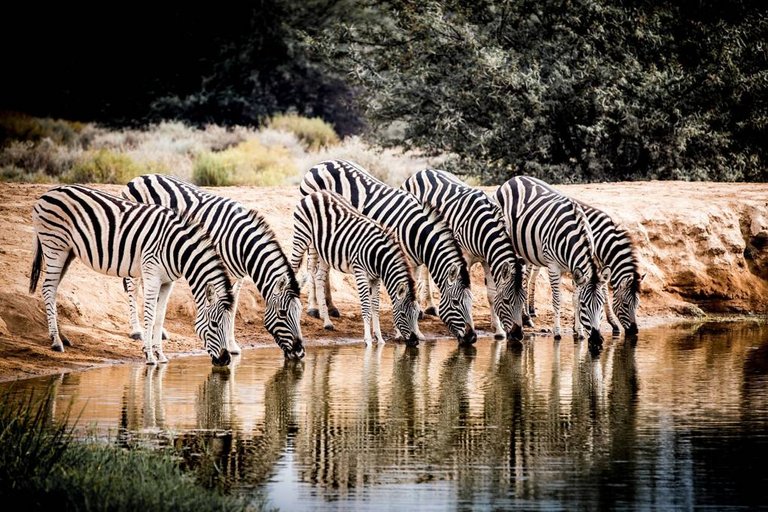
(444,232)
(189,220)
(259,222)
(584,227)
(636,283)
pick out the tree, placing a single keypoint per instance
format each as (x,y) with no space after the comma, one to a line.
(565,90)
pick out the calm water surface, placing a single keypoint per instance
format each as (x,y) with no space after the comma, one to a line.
(678,420)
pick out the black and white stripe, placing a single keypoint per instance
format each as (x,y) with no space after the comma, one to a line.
(125,239)
(550,230)
(338,236)
(615,250)
(425,237)
(479,229)
(247,246)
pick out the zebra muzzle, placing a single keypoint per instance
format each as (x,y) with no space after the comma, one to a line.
(595,338)
(223,360)
(515,334)
(413,340)
(632,329)
(469,338)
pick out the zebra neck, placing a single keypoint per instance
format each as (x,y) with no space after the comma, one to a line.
(264,261)
(201,266)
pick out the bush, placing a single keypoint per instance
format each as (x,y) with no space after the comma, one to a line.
(248,163)
(16,126)
(314,133)
(45,468)
(104,166)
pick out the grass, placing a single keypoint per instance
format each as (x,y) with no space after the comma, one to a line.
(43,467)
(34,150)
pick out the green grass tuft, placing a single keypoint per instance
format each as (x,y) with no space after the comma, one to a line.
(314,133)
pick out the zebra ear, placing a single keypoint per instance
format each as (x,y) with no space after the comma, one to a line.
(506,271)
(605,274)
(402,289)
(282,284)
(578,277)
(453,273)
(210,293)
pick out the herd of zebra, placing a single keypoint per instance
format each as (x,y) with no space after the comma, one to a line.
(434,227)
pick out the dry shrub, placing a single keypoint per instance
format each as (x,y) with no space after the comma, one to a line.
(314,133)
(248,163)
(104,166)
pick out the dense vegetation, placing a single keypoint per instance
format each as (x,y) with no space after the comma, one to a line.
(42,467)
(568,90)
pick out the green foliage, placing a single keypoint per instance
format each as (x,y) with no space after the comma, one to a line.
(17,126)
(567,91)
(314,133)
(43,467)
(104,166)
(248,163)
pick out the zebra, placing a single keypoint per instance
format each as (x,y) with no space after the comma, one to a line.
(479,229)
(614,248)
(248,247)
(550,230)
(426,239)
(336,235)
(125,239)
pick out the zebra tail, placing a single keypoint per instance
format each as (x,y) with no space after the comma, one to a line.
(37,265)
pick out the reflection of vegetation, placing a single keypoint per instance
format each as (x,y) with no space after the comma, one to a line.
(43,467)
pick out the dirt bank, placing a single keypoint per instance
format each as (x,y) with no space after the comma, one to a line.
(703,247)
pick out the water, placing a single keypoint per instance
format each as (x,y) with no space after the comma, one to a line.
(677,421)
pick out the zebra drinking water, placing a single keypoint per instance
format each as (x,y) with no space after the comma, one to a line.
(126,239)
(479,229)
(615,250)
(550,230)
(247,246)
(336,235)
(425,237)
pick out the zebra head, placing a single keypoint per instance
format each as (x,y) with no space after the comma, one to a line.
(406,313)
(456,305)
(591,295)
(282,317)
(626,300)
(212,324)
(510,298)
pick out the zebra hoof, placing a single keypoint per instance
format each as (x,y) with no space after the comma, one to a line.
(57,348)
(135,336)
(558,337)
(328,327)
(314,313)
(165,334)
(65,340)
(430,311)
(527,322)
(421,316)
(334,312)
(498,336)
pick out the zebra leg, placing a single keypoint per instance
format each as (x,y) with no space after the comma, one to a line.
(232,345)
(374,292)
(609,315)
(312,291)
(554,282)
(531,273)
(332,309)
(578,329)
(56,266)
(157,328)
(130,287)
(490,288)
(363,283)
(320,276)
(151,293)
(425,292)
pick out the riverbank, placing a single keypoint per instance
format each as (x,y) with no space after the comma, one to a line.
(702,246)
